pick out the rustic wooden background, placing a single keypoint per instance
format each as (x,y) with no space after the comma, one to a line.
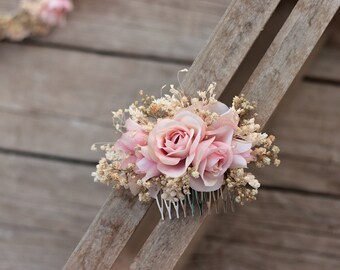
(56,97)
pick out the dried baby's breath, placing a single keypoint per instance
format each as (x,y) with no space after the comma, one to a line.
(149,110)
(243,184)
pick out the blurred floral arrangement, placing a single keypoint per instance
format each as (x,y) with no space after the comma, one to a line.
(182,150)
(34,18)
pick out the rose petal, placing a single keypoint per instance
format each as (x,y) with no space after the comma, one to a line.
(240,146)
(238,162)
(148,167)
(154,190)
(173,171)
(199,185)
(210,179)
(129,160)
(202,151)
(221,132)
(218,107)
(120,145)
(132,125)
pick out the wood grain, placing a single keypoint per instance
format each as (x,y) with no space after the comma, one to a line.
(38,133)
(31,113)
(282,230)
(29,123)
(228,45)
(45,208)
(95,255)
(301,174)
(48,92)
(317,14)
(307,123)
(162,29)
(109,232)
(307,128)
(288,52)
(54,82)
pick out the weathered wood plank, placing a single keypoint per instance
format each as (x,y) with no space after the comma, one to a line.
(31,113)
(280,231)
(298,134)
(167,29)
(37,184)
(307,123)
(288,52)
(39,133)
(60,126)
(307,127)
(302,174)
(330,182)
(48,92)
(74,84)
(108,233)
(299,34)
(105,255)
(29,248)
(45,208)
(56,183)
(228,45)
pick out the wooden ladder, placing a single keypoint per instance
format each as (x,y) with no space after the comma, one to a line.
(217,62)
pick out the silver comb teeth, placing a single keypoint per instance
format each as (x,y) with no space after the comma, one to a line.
(197,202)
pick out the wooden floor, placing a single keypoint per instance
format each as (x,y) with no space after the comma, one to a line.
(57,94)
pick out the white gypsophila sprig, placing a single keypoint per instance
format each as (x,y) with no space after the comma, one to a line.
(131,170)
(137,114)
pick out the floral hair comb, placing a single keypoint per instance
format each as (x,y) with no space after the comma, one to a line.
(185,152)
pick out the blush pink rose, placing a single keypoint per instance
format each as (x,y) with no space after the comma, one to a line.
(225,126)
(172,143)
(148,168)
(145,164)
(133,138)
(223,130)
(212,160)
(219,152)
(242,154)
(53,12)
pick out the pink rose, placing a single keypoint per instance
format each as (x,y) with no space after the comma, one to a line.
(145,165)
(133,138)
(225,126)
(223,130)
(212,160)
(172,143)
(219,152)
(242,154)
(53,12)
